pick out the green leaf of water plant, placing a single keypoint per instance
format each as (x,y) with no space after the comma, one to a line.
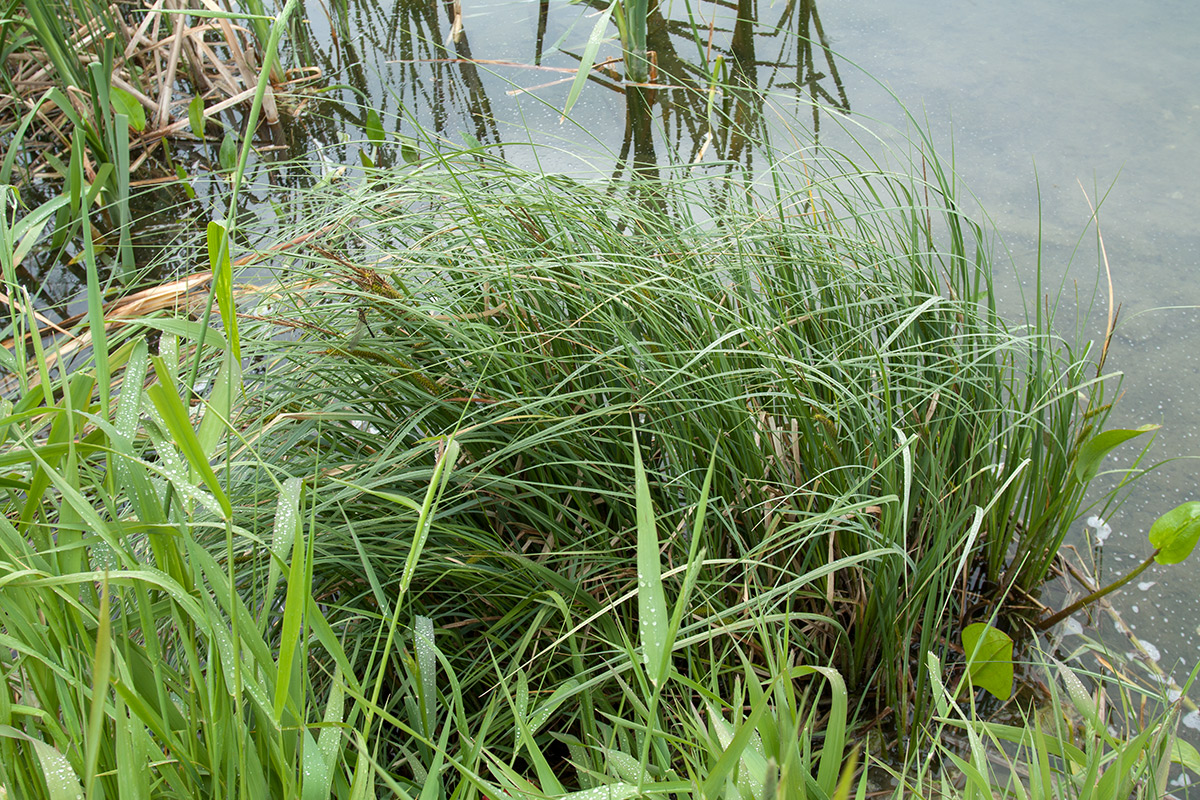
(125,103)
(1087,464)
(470,141)
(287,527)
(182,174)
(735,750)
(317,778)
(196,116)
(28,230)
(610,791)
(295,601)
(408,150)
(1185,755)
(220,402)
(227,154)
(989,659)
(423,643)
(101,669)
(179,425)
(330,738)
(589,58)
(1175,533)
(374,127)
(652,604)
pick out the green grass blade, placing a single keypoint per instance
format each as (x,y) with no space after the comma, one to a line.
(176,418)
(61,781)
(589,58)
(652,604)
(296,598)
(222,270)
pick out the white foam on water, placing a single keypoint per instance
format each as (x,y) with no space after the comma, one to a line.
(1102,528)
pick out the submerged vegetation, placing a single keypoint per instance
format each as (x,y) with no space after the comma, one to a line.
(500,482)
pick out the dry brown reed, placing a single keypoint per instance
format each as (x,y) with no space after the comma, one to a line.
(164,57)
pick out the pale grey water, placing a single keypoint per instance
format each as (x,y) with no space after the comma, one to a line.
(1031,95)
(1104,93)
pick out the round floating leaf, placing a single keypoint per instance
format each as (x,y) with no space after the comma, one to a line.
(989,659)
(1174,534)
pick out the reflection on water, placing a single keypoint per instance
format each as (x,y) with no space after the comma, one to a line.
(429,65)
(491,74)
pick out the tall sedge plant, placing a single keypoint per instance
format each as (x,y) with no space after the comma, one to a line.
(873,417)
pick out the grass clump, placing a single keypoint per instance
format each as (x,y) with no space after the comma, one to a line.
(526,485)
(891,459)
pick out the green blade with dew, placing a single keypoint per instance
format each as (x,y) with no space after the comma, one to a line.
(101,669)
(288,518)
(652,604)
(588,60)
(61,781)
(285,530)
(176,418)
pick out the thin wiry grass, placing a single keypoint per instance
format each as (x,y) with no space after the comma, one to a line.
(892,460)
(502,344)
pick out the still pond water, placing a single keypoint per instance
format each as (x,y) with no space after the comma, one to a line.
(1033,97)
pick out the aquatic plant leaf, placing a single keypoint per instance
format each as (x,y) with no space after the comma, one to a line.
(227,154)
(589,59)
(1175,533)
(1185,755)
(196,117)
(179,426)
(61,781)
(288,522)
(218,410)
(1095,449)
(408,150)
(317,778)
(374,127)
(989,659)
(125,103)
(294,605)
(611,791)
(222,270)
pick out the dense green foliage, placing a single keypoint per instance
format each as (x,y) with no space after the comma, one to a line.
(511,484)
(519,485)
(878,433)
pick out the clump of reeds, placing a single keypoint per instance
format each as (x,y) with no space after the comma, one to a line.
(521,487)
(892,459)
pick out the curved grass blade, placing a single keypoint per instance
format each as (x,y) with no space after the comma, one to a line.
(589,59)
